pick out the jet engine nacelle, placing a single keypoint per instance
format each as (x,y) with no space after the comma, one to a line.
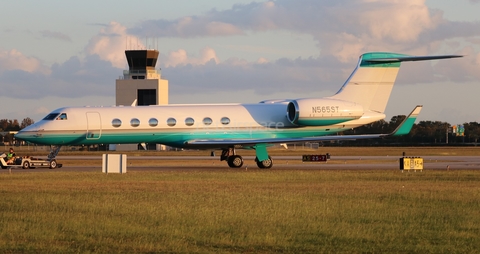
(320,112)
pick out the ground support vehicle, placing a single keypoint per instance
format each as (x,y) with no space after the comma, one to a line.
(26,162)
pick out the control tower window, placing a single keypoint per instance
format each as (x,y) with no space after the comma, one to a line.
(147,97)
(151,61)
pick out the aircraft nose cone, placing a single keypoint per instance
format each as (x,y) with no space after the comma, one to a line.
(28,133)
(21,135)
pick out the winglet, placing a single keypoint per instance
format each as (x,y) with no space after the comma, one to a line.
(407,124)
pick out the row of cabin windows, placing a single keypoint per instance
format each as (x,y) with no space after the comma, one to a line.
(134,122)
(152,122)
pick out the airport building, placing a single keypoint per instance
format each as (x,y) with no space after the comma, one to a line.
(141,82)
(141,85)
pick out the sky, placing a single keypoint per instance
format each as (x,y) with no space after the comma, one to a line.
(69,53)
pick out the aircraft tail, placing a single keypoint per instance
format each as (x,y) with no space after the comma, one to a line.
(371,83)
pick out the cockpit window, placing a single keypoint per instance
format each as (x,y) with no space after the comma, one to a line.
(51,116)
(62,116)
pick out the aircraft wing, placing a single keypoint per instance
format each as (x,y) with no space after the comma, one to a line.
(402,129)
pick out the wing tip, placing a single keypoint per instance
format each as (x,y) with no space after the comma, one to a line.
(407,124)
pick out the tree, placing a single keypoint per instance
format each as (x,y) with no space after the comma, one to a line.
(9,125)
(14,125)
(26,122)
(429,131)
(3,124)
(472,131)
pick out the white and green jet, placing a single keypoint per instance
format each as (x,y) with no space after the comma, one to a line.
(361,100)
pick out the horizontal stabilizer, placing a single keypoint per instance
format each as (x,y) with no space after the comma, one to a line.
(408,58)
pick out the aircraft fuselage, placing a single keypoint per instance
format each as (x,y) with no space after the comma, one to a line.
(175,124)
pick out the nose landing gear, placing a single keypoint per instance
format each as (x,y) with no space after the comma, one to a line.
(233,160)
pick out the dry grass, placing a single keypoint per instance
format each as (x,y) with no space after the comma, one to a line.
(231,211)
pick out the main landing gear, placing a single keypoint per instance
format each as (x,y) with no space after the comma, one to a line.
(236,161)
(268,163)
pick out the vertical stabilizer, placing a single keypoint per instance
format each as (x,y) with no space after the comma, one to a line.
(371,83)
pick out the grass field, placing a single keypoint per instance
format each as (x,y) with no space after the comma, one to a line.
(228,211)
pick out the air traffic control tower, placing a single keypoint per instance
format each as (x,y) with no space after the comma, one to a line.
(141,82)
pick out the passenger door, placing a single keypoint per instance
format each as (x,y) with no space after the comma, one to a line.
(94,125)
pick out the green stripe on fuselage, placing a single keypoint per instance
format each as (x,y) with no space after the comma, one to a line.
(178,138)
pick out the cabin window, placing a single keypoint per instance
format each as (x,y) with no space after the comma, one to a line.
(50,117)
(153,122)
(62,116)
(207,121)
(189,121)
(134,122)
(116,122)
(225,120)
(171,122)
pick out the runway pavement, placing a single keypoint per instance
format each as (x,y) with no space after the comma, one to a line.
(207,163)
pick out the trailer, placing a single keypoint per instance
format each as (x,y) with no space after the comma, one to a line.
(27,162)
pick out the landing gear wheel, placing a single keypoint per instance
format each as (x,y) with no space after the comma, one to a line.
(235,161)
(26,165)
(268,163)
(53,164)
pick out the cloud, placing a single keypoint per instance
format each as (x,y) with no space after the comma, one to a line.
(396,21)
(42,110)
(465,70)
(343,30)
(74,78)
(180,57)
(15,60)
(55,35)
(283,75)
(305,16)
(262,60)
(186,27)
(110,43)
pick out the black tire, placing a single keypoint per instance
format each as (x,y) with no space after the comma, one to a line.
(25,165)
(235,161)
(268,163)
(53,164)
